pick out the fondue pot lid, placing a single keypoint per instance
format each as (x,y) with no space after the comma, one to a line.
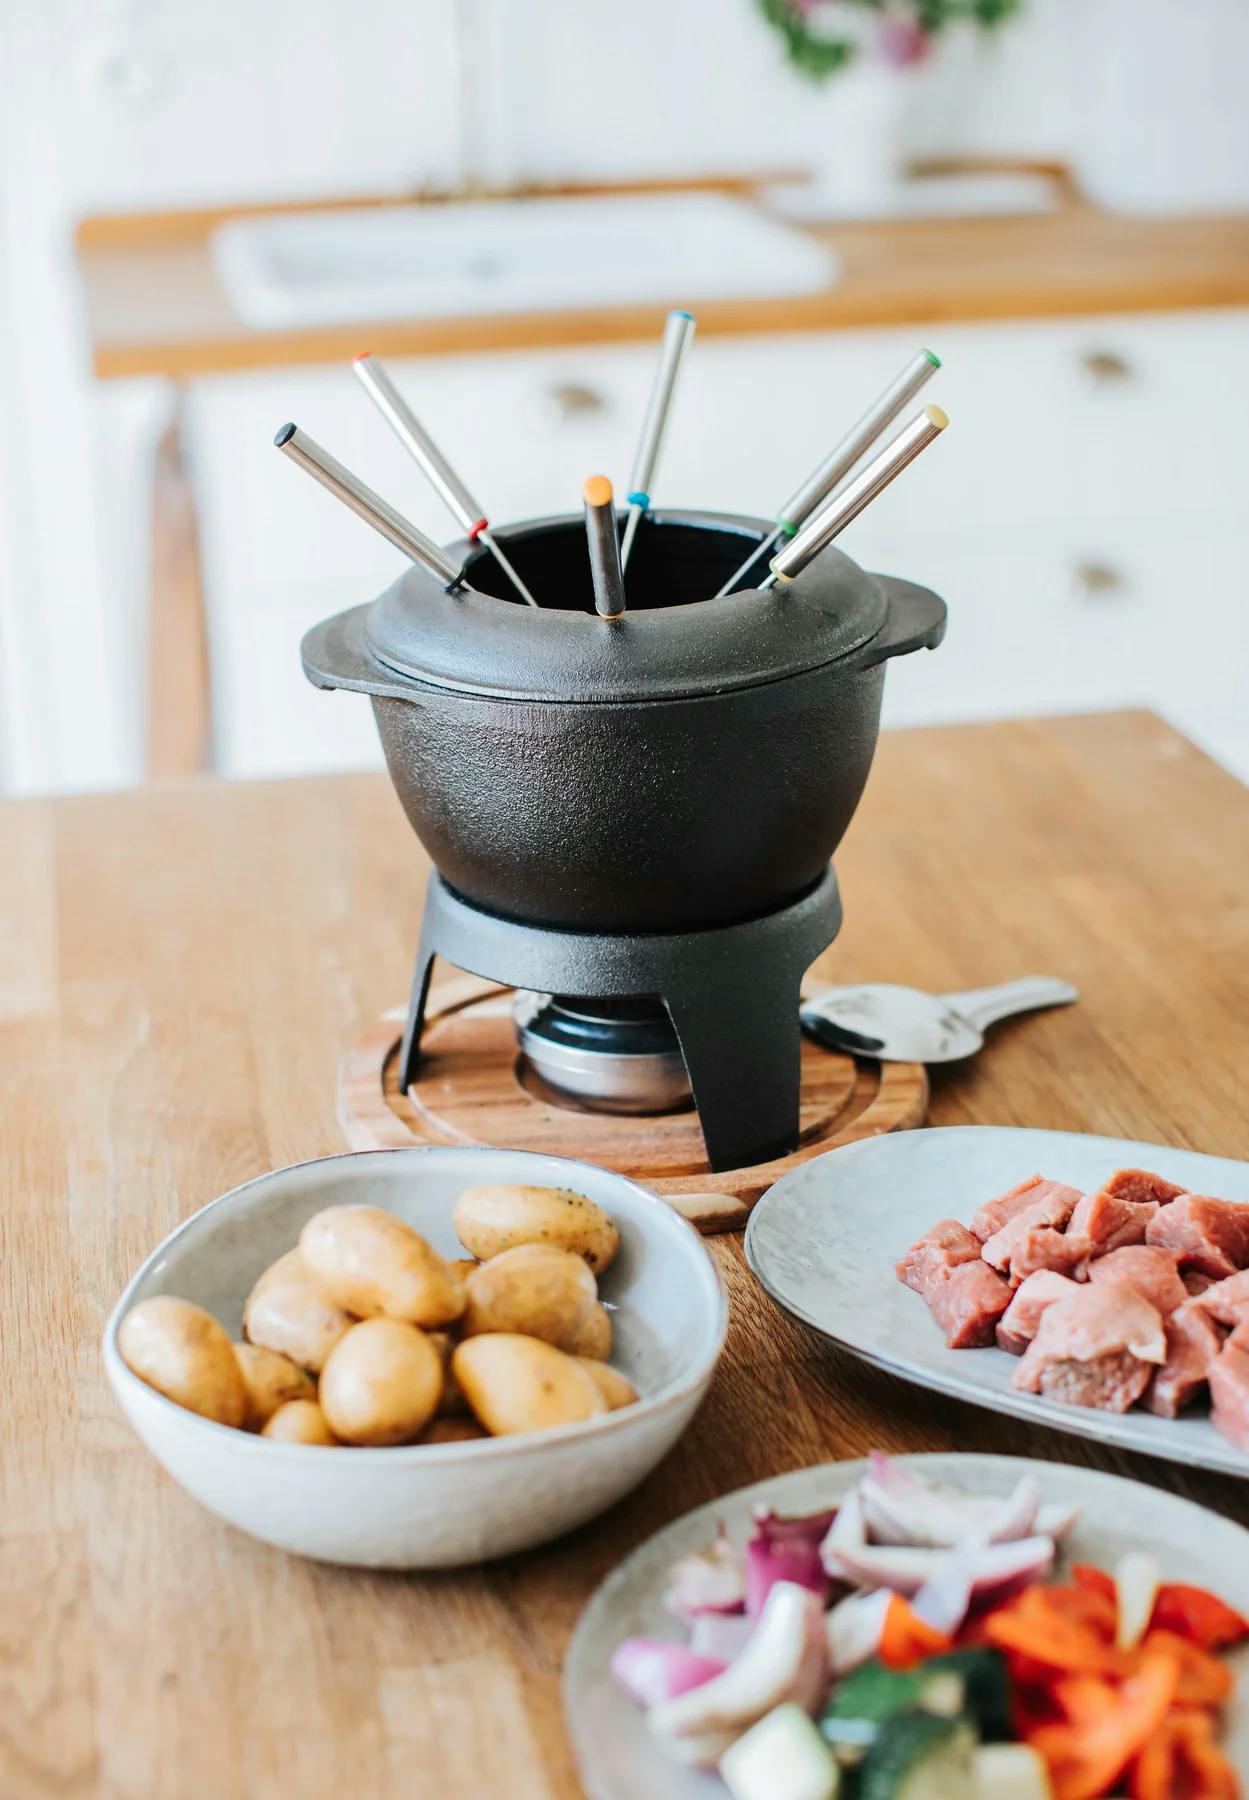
(673,642)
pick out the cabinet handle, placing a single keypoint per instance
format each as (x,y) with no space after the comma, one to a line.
(572,400)
(1106,368)
(1096,579)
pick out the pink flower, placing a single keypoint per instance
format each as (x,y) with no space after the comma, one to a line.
(902,41)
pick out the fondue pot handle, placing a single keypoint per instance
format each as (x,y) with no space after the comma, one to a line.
(336,655)
(916,621)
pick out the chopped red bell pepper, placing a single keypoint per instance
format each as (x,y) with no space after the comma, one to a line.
(1085,1759)
(1203,1679)
(1198,1615)
(1097,1581)
(906,1639)
(1182,1762)
(1039,1628)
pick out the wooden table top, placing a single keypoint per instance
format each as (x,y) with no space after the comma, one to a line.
(155,305)
(180,972)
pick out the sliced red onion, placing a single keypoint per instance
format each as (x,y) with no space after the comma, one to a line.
(702,1752)
(945,1598)
(1137,1575)
(710,1580)
(1055,1520)
(847,1531)
(794,1561)
(805,1528)
(854,1626)
(785,1658)
(652,1669)
(720,1634)
(905,1568)
(1016,1516)
(900,1508)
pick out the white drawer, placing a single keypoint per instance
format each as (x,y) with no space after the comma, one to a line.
(1036,435)
(1132,418)
(1035,626)
(524,431)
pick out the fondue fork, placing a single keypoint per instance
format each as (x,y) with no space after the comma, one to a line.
(678,331)
(367,505)
(838,463)
(433,464)
(848,502)
(600,528)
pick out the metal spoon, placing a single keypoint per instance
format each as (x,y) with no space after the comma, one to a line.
(901,1024)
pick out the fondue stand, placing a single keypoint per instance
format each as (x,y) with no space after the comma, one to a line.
(731,994)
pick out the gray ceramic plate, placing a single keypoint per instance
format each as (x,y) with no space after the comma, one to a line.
(824,1241)
(619,1761)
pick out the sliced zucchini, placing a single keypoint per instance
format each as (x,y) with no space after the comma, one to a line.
(860,1704)
(920,1756)
(1010,1772)
(783,1757)
(985,1684)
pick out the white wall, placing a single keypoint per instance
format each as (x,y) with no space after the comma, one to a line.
(126,104)
(1147,96)
(114,104)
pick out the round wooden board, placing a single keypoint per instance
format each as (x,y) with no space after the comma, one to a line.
(472,1087)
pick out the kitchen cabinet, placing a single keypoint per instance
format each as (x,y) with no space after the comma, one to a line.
(1084,515)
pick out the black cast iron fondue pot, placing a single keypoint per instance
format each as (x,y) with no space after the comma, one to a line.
(693,764)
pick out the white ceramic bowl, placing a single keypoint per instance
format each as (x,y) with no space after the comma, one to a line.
(434,1506)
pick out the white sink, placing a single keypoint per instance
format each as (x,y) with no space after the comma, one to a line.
(436,261)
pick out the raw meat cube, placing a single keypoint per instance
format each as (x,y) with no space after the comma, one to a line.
(1229,1394)
(1192,1345)
(1227,1300)
(1044,1247)
(1150,1271)
(994,1213)
(967,1302)
(1049,1203)
(942,1248)
(1209,1234)
(1109,1222)
(1018,1324)
(1094,1348)
(1196,1280)
(1141,1185)
(1238,1338)
(1112,1383)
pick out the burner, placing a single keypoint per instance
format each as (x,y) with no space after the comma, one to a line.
(731,993)
(614,1055)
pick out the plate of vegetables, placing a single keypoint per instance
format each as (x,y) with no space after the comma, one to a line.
(935,1627)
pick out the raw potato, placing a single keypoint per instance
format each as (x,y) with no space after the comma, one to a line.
(380,1383)
(516,1383)
(452,1431)
(535,1289)
(373,1263)
(271,1380)
(593,1337)
(182,1351)
(289,1311)
(299,1422)
(491,1219)
(611,1384)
